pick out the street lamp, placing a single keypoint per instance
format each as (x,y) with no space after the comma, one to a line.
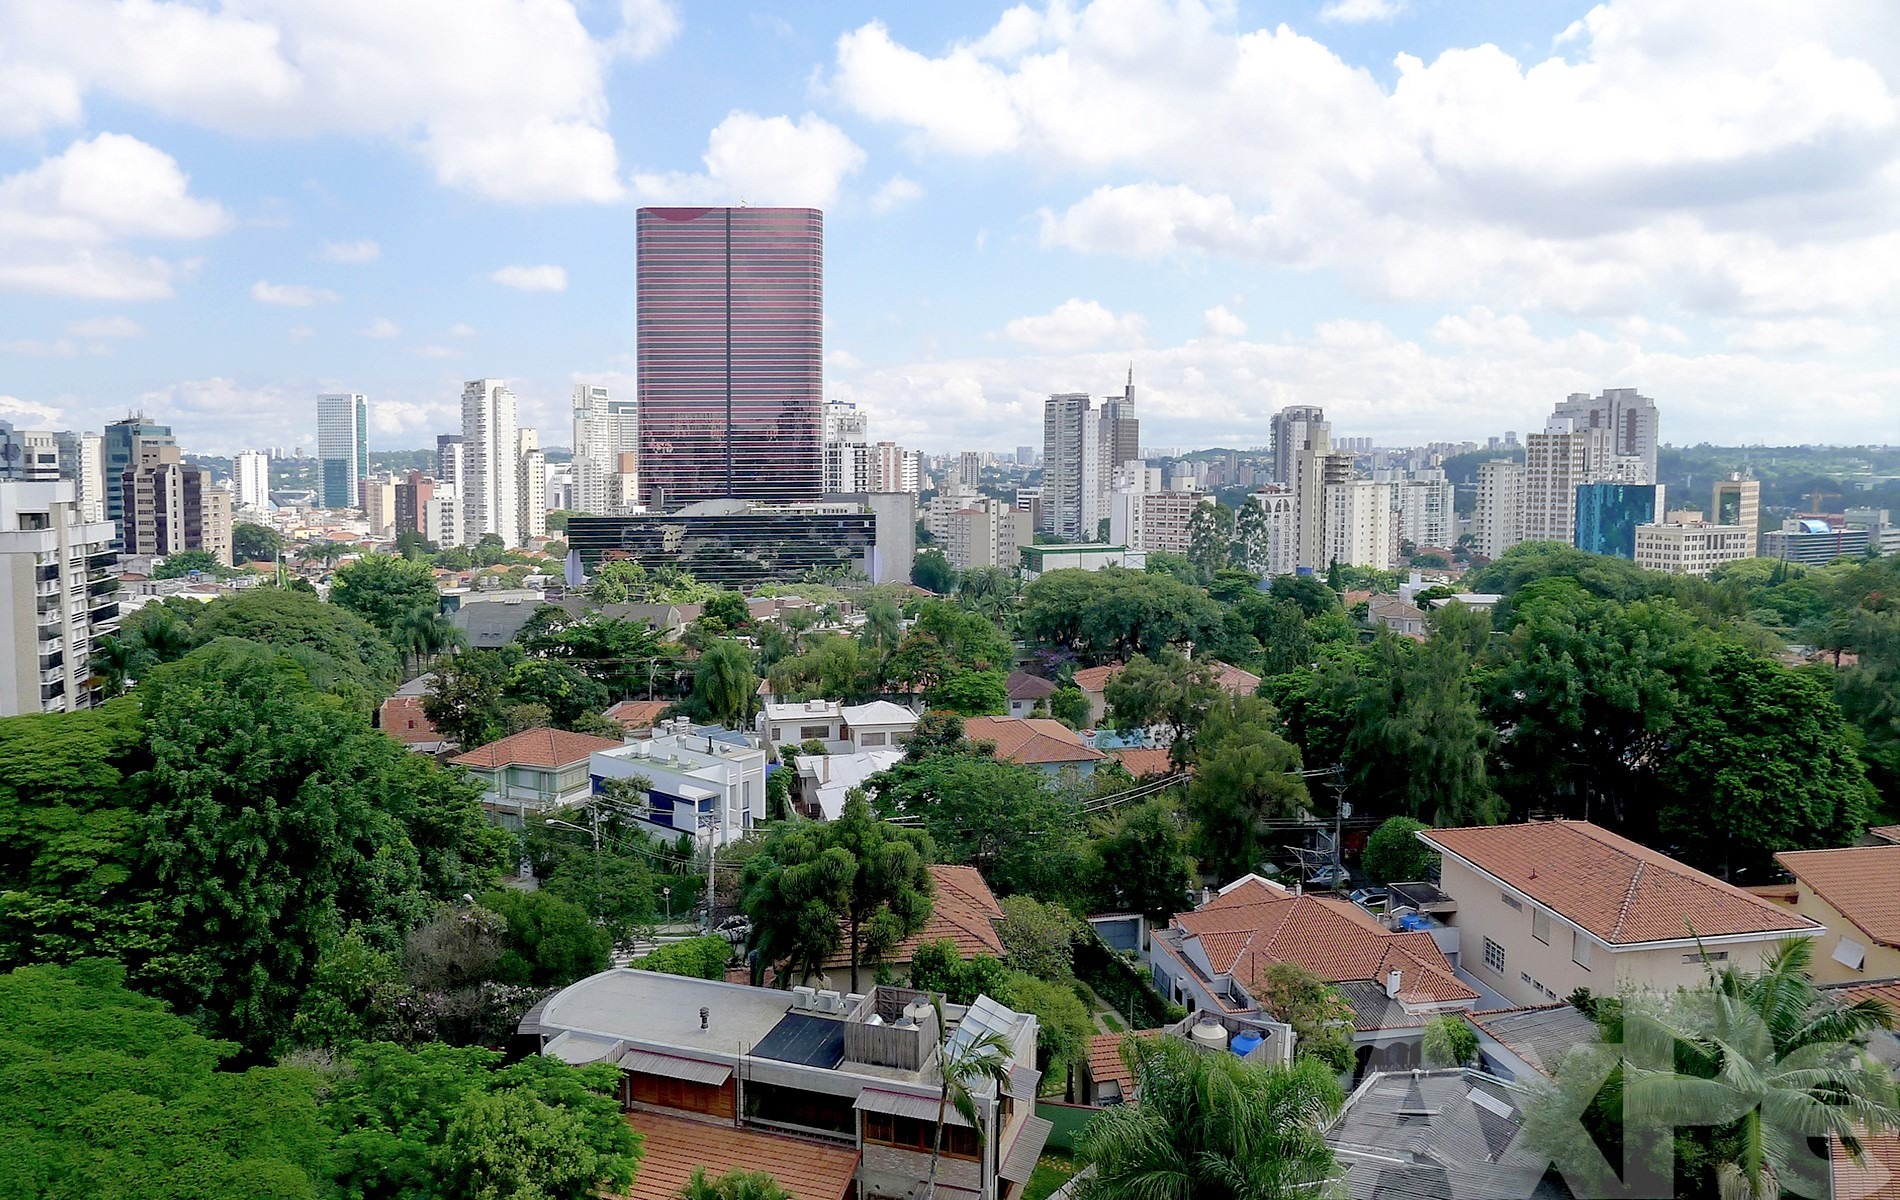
(667,892)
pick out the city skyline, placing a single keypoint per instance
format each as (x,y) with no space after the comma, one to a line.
(1429,222)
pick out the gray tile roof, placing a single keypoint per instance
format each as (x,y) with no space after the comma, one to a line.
(1541,1036)
(1438,1135)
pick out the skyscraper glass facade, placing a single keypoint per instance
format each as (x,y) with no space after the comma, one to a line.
(342,449)
(730,355)
(1608,514)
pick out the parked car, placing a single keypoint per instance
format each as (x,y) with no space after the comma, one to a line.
(1370,897)
(734,929)
(1329,876)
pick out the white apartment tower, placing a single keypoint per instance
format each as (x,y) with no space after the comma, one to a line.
(252,478)
(1280,554)
(604,429)
(1555,462)
(1070,448)
(1359,530)
(532,486)
(491,452)
(1629,425)
(55,602)
(1499,520)
(1290,432)
(1423,509)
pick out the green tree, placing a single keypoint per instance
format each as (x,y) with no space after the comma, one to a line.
(796,891)
(979,811)
(1063,1025)
(971,693)
(381,588)
(1245,774)
(338,650)
(1108,615)
(1211,1127)
(1039,938)
(1210,538)
(931,571)
(891,891)
(724,686)
(1140,862)
(255,543)
(551,941)
(1070,705)
(1449,1042)
(186,562)
(938,967)
(1394,854)
(700,957)
(1168,690)
(466,700)
(1322,1021)
(733,1185)
(422,633)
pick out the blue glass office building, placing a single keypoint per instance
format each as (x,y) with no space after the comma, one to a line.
(1608,514)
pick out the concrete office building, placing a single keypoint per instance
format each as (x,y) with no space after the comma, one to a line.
(730,313)
(121,441)
(342,448)
(1691,547)
(1737,501)
(1813,542)
(58,597)
(490,486)
(251,476)
(729,543)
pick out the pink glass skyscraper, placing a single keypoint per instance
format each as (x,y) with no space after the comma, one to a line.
(731,342)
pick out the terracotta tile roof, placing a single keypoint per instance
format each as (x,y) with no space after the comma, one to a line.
(1624,893)
(1234,681)
(1887,991)
(1094,679)
(964,911)
(675,1145)
(1105,1059)
(402,718)
(536,748)
(1858,881)
(1024,686)
(1031,741)
(637,714)
(1142,762)
(1886,833)
(1875,1177)
(1247,931)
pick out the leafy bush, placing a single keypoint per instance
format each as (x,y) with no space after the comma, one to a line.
(700,957)
(1448,1042)
(1394,853)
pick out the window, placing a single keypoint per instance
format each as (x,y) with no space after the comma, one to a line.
(1494,956)
(1714,956)
(1540,926)
(871,739)
(1579,949)
(1850,954)
(1511,900)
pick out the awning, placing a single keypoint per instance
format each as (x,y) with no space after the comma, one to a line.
(904,1104)
(1023,1079)
(1020,1162)
(692,1070)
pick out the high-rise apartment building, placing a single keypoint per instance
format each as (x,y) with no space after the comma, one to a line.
(251,477)
(121,441)
(730,354)
(1311,466)
(604,429)
(1289,430)
(1423,509)
(170,506)
(532,486)
(1120,430)
(1359,529)
(1737,501)
(82,461)
(342,448)
(1630,427)
(413,494)
(986,532)
(969,471)
(378,493)
(450,458)
(1276,550)
(1070,447)
(1555,462)
(490,486)
(58,597)
(1498,522)
(1153,521)
(845,422)
(895,469)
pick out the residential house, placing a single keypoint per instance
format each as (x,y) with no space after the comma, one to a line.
(1400,616)
(1093,682)
(1545,908)
(699,779)
(1026,691)
(964,912)
(843,728)
(1523,1043)
(1050,746)
(637,717)
(1104,1078)
(750,1066)
(402,718)
(1218,957)
(535,771)
(1439,1134)
(673,1147)
(1854,894)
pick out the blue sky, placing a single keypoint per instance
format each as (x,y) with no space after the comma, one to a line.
(1432,218)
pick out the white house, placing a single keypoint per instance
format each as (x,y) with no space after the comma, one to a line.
(699,778)
(843,728)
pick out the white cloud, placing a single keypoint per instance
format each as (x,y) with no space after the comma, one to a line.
(547,278)
(1075,325)
(1358,12)
(64,224)
(896,192)
(291,295)
(62,348)
(844,360)
(382,327)
(434,75)
(461,330)
(105,327)
(762,161)
(15,409)
(436,352)
(1803,335)
(1218,321)
(301,333)
(1750,165)
(363,251)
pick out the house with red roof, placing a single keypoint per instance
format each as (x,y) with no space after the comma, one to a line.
(1038,742)
(535,771)
(402,718)
(1217,959)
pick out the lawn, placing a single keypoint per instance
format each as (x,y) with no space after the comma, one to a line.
(1052,1171)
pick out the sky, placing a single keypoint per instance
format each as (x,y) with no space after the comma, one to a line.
(1433,217)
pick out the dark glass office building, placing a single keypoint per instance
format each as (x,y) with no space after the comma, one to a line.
(1608,514)
(736,545)
(731,342)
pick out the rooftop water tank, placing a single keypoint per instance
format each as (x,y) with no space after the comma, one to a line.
(1209,1035)
(1245,1041)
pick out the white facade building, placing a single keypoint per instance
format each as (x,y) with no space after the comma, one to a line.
(1499,520)
(1555,462)
(532,485)
(1280,554)
(491,452)
(984,532)
(251,475)
(1425,515)
(1629,425)
(703,780)
(1153,521)
(442,516)
(604,430)
(1359,529)
(1068,435)
(1691,547)
(56,598)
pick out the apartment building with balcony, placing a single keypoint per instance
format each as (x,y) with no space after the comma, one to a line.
(59,597)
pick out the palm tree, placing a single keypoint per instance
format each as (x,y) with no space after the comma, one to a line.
(963,1066)
(725,685)
(733,1185)
(1212,1127)
(422,633)
(1767,1062)
(115,661)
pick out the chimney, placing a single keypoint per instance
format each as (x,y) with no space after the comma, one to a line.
(705,1014)
(1392,981)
